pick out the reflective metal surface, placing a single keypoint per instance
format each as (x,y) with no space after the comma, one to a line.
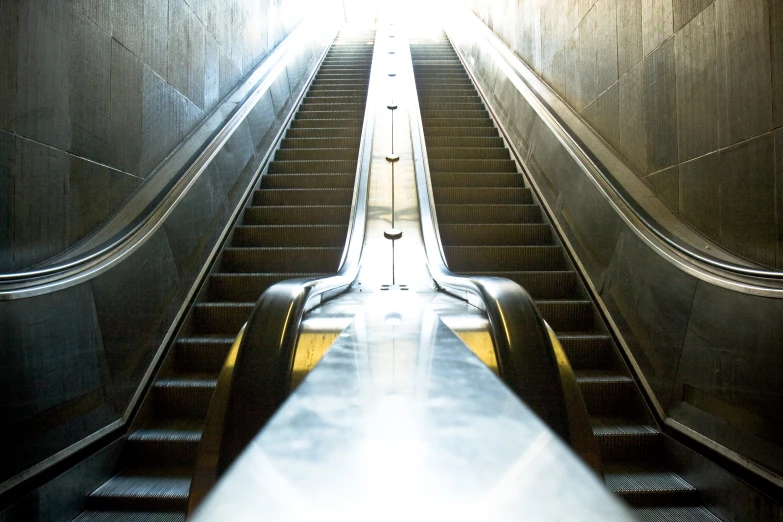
(400,421)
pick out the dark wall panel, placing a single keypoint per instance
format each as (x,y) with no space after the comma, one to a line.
(136,302)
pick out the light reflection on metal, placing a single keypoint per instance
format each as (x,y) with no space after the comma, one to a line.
(402,422)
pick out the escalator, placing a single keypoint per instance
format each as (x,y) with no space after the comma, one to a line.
(491,225)
(294,225)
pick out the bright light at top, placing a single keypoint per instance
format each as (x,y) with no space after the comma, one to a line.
(421,18)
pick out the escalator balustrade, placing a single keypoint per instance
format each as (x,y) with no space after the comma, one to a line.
(295,225)
(491,225)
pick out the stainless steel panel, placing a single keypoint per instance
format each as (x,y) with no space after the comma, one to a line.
(721,492)
(667,184)
(528,43)
(281,93)
(52,360)
(241,150)
(40,186)
(9,20)
(744,71)
(728,383)
(94,193)
(127,84)
(99,11)
(180,27)
(42,112)
(573,88)
(685,10)
(660,107)
(650,301)
(747,199)
(136,302)
(776,39)
(196,41)
(629,34)
(603,115)
(90,90)
(229,75)
(697,86)
(657,23)
(7,154)
(127,17)
(700,194)
(156,31)
(598,50)
(195,223)
(261,118)
(56,501)
(211,73)
(158,98)
(633,139)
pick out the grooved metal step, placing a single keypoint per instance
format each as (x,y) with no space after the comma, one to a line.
(297,215)
(642,485)
(143,493)
(624,440)
(249,286)
(311,181)
(130,516)
(290,235)
(183,397)
(495,234)
(202,354)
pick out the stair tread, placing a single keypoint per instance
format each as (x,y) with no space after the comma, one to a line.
(130,516)
(674,514)
(601,376)
(145,486)
(636,477)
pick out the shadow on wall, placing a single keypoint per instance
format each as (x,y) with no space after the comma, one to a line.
(95,95)
(689,93)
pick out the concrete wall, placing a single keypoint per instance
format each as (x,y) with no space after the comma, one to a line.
(94,94)
(689,92)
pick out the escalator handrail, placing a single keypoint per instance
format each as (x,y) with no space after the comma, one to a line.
(527,354)
(256,376)
(27,283)
(598,170)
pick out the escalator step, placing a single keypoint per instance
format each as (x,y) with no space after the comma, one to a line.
(643,485)
(221,318)
(550,284)
(320,143)
(587,351)
(325,132)
(322,124)
(130,516)
(473,104)
(164,445)
(278,197)
(312,166)
(480,195)
(430,114)
(478,180)
(488,213)
(470,259)
(183,397)
(312,181)
(468,153)
(143,493)
(605,393)
(248,287)
(290,235)
(623,440)
(281,259)
(332,154)
(568,315)
(460,122)
(445,130)
(298,215)
(495,234)
(202,354)
(674,514)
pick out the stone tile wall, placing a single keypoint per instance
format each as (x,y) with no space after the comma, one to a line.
(94,94)
(689,92)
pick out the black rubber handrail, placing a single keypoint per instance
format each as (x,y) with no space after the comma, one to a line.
(529,357)
(256,377)
(598,169)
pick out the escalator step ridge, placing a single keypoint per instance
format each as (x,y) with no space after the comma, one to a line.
(130,516)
